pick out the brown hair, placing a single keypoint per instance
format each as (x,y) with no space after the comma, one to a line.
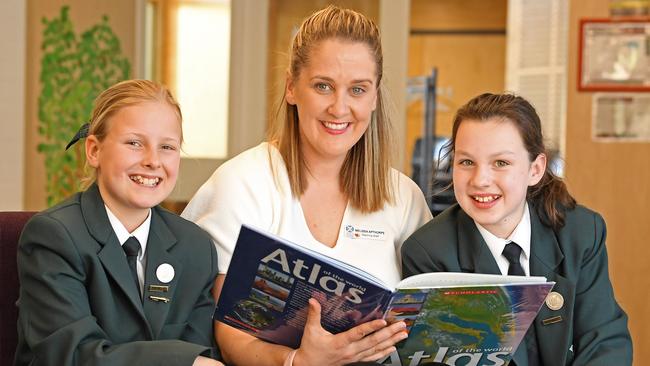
(549,196)
(121,95)
(365,175)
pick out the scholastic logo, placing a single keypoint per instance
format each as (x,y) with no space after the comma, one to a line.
(471,292)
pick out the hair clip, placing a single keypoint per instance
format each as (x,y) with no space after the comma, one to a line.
(82,133)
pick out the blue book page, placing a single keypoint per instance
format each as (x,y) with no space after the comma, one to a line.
(270,281)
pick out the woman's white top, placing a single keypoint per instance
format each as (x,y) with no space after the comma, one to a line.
(245,190)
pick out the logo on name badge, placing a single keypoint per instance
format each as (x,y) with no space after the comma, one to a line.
(361,233)
(554,300)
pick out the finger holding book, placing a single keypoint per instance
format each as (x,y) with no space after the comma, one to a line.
(387,346)
(366,342)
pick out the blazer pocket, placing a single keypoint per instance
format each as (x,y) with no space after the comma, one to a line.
(173,331)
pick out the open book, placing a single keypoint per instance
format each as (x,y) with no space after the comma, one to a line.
(449,316)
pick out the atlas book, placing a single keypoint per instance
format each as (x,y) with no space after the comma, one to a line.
(452,318)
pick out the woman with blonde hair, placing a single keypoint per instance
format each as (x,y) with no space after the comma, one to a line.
(324,181)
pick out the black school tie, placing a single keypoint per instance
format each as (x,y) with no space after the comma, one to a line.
(132,247)
(512,252)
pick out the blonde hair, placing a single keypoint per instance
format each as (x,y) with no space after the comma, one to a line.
(121,95)
(365,175)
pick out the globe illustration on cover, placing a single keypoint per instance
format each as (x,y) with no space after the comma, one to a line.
(463,326)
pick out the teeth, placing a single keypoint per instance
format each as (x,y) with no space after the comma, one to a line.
(149,182)
(485,199)
(336,126)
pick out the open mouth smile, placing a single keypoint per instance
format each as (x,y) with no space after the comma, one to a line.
(143,181)
(486,198)
(335,126)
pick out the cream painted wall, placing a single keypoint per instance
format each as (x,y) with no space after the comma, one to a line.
(12,103)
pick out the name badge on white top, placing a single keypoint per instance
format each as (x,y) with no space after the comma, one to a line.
(353,232)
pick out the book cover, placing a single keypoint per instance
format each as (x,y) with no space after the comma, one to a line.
(455,318)
(468,325)
(269,283)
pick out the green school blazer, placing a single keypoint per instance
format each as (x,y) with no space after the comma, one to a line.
(591,328)
(78,304)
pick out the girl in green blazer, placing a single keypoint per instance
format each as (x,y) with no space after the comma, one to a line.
(507,194)
(86,301)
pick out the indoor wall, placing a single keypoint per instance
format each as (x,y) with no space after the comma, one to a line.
(614,179)
(466,42)
(12,98)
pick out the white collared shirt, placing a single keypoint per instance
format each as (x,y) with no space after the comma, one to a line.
(521,236)
(141,233)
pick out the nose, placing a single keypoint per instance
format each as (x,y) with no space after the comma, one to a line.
(339,104)
(481,176)
(151,158)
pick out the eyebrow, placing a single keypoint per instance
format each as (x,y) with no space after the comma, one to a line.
(143,135)
(356,81)
(498,153)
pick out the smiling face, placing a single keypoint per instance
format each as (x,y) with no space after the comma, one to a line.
(492,173)
(137,161)
(335,94)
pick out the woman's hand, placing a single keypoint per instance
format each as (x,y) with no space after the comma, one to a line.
(204,361)
(366,342)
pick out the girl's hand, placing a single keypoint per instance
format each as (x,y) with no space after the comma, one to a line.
(366,342)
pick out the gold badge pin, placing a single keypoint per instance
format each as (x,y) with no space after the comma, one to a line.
(552,320)
(158,288)
(159,299)
(554,300)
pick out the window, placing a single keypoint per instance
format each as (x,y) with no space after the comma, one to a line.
(188,49)
(536,65)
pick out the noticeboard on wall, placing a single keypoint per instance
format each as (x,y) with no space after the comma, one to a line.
(621,117)
(614,55)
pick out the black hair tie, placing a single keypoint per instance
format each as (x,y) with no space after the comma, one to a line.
(82,133)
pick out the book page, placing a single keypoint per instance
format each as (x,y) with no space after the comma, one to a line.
(444,279)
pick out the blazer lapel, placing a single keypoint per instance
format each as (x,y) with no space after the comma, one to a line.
(473,253)
(546,256)
(111,254)
(158,295)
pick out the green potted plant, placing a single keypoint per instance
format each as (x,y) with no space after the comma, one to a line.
(74,70)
